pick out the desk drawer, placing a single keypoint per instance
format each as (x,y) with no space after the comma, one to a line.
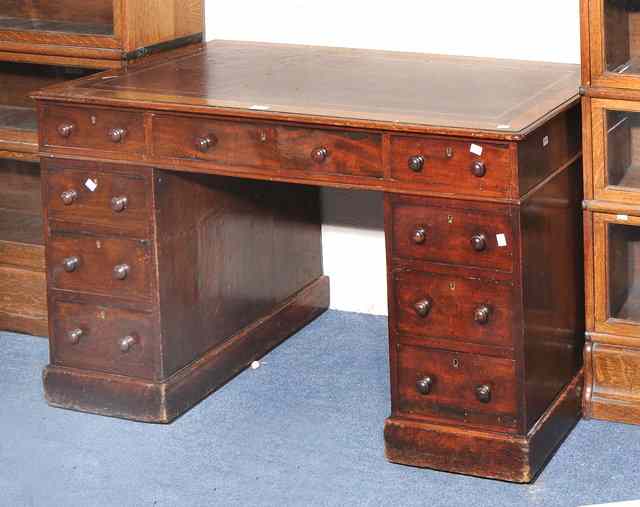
(437,305)
(462,235)
(121,202)
(453,385)
(266,147)
(102,338)
(98,265)
(449,166)
(94,129)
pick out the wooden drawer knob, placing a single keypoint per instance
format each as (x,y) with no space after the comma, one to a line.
(416,163)
(205,143)
(423,307)
(419,236)
(479,242)
(423,385)
(478,169)
(319,155)
(117,134)
(483,393)
(75,335)
(69,197)
(70,264)
(482,314)
(66,129)
(121,271)
(119,204)
(127,343)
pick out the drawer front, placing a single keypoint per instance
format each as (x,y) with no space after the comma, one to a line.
(102,338)
(95,129)
(269,147)
(119,202)
(98,265)
(452,385)
(457,236)
(450,166)
(471,310)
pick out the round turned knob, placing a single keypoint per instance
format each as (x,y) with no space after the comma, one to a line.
(127,343)
(478,168)
(75,335)
(119,204)
(416,163)
(419,236)
(483,393)
(481,315)
(121,271)
(66,129)
(117,134)
(205,143)
(479,242)
(69,197)
(423,307)
(319,155)
(70,264)
(423,385)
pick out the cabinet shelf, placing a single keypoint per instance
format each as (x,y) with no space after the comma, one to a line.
(47,25)
(18,129)
(21,228)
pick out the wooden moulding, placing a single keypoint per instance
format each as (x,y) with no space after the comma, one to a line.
(485,454)
(162,402)
(611,381)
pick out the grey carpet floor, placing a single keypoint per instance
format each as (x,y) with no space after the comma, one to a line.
(303,429)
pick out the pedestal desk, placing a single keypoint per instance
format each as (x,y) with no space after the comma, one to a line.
(183,235)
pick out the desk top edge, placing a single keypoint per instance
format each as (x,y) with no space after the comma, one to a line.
(560,91)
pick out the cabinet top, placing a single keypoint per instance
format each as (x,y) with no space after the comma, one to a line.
(411,92)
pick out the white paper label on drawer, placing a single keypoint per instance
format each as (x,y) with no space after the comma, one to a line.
(92,185)
(476,150)
(545,141)
(625,218)
(502,240)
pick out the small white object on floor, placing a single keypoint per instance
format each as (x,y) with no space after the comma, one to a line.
(255,365)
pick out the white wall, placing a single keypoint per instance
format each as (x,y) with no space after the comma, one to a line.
(353,242)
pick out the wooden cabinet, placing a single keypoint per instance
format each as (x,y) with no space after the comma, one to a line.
(611,135)
(47,42)
(209,195)
(96,33)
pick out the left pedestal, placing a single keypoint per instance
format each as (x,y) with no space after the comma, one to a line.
(162,286)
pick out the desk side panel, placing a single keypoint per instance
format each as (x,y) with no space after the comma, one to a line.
(229,252)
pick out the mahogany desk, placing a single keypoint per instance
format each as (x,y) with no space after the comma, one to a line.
(166,277)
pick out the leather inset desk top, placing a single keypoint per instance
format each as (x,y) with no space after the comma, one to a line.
(503,99)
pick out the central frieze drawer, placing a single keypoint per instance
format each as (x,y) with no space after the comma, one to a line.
(471,310)
(118,201)
(102,338)
(451,166)
(463,236)
(93,129)
(452,385)
(119,268)
(267,147)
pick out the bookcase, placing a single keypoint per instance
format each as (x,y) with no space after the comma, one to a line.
(43,42)
(611,145)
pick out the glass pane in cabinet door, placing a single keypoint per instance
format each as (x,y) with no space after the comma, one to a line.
(62,16)
(622,36)
(623,149)
(624,272)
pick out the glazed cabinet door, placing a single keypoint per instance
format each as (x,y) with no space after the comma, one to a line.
(616,150)
(614,34)
(617,274)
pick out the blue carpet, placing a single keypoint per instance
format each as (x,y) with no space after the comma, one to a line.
(304,429)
